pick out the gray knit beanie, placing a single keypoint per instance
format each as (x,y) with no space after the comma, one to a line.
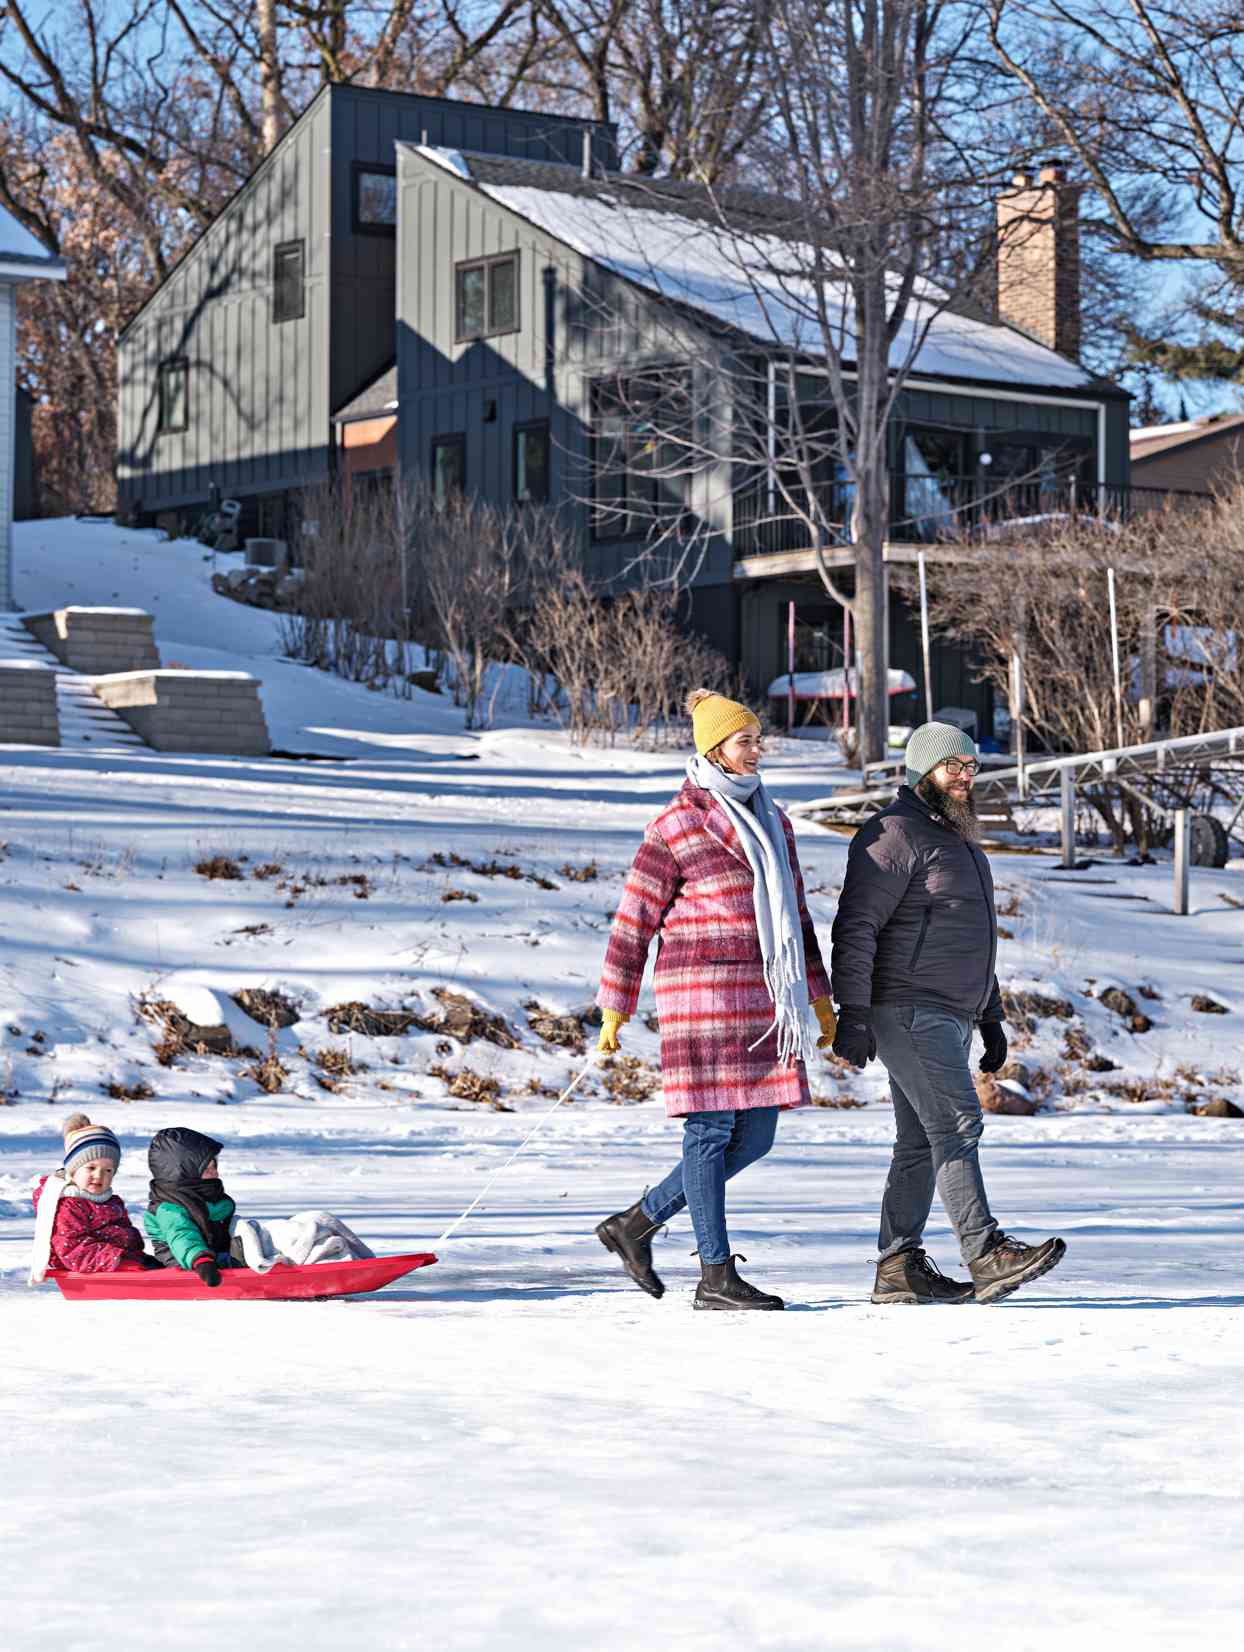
(931,744)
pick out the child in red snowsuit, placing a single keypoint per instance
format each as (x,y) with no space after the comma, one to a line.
(81,1225)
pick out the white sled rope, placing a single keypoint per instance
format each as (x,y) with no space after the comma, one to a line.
(531,1134)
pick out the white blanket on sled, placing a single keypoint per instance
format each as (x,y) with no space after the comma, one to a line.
(311,1236)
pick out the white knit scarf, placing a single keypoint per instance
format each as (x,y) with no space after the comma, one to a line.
(776,903)
(45,1219)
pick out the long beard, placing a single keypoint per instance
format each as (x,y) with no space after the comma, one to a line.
(961,815)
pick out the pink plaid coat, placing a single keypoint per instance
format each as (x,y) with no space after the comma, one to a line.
(691,885)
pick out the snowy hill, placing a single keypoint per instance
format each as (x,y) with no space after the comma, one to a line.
(424,912)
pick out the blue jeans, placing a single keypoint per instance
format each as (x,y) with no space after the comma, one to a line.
(715,1146)
(937,1119)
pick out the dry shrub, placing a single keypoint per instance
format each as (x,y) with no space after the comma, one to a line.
(1041,591)
(269,869)
(269,1074)
(459,895)
(219,866)
(337,1062)
(623,666)
(843,1099)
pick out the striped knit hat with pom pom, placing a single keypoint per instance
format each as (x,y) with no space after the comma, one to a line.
(85,1143)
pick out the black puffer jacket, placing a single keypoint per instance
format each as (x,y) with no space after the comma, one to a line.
(916,921)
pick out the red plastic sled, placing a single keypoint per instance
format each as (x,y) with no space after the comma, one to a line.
(284,1283)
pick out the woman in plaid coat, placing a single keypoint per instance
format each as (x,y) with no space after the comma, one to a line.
(717,883)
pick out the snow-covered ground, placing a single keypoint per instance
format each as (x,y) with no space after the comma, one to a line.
(515,1448)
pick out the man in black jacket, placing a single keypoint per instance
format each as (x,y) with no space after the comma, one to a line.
(915,942)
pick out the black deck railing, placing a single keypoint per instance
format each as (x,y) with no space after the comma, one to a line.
(948,511)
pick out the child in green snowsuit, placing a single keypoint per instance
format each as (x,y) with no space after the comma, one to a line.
(188,1212)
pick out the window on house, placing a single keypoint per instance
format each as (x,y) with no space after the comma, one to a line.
(174,395)
(642,457)
(486,297)
(531,462)
(448,466)
(375,200)
(288,281)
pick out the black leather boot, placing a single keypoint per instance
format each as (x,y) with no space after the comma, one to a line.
(1009,1263)
(629,1235)
(721,1287)
(913,1277)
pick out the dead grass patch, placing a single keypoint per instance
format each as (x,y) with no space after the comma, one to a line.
(443,860)
(625,1078)
(269,869)
(179,1036)
(471,1086)
(138,1090)
(267,1006)
(219,866)
(459,895)
(580,874)
(337,1062)
(564,1031)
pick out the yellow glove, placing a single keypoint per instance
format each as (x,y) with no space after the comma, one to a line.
(610,1021)
(824,1010)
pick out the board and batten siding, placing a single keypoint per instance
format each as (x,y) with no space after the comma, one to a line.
(484,388)
(258,404)
(8,436)
(367,126)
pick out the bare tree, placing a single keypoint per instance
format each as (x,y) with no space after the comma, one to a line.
(816,298)
(1149,98)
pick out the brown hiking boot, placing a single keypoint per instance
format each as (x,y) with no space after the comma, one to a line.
(629,1235)
(721,1287)
(1009,1263)
(913,1277)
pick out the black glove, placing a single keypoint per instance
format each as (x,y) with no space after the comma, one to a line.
(995,1046)
(854,1040)
(207,1270)
(150,1262)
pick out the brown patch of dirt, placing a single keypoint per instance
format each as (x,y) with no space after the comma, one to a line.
(357,1017)
(997,1098)
(1024,1007)
(464,1020)
(580,874)
(1124,1005)
(1204,1005)
(459,895)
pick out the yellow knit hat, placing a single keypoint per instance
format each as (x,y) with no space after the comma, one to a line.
(714,718)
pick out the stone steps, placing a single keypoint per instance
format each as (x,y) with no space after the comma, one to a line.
(84,719)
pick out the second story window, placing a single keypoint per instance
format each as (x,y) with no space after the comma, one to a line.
(375,200)
(486,297)
(174,396)
(288,281)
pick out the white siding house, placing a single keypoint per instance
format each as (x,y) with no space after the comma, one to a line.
(22,258)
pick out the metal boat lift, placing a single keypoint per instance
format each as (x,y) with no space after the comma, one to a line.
(1179,780)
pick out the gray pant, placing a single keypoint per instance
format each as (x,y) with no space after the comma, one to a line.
(938,1124)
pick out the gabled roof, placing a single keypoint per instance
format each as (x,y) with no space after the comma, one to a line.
(23,257)
(1153,439)
(373,401)
(665,235)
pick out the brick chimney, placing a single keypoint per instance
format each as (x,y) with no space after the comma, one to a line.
(1039,257)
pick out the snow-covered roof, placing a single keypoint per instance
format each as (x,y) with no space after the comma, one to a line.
(22,256)
(662,236)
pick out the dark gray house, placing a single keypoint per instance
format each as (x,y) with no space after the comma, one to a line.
(283,310)
(477,297)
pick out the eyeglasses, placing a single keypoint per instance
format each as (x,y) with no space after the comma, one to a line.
(955,766)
